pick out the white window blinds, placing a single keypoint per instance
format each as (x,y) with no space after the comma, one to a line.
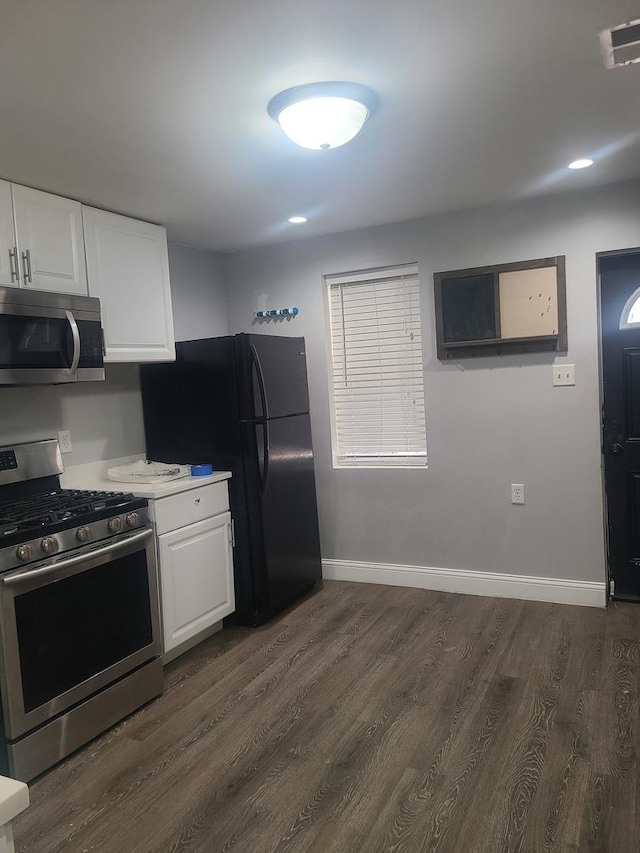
(377,371)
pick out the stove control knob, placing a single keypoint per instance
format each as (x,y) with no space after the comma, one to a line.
(49,545)
(133,518)
(84,534)
(25,552)
(115,525)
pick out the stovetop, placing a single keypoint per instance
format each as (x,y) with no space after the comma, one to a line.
(46,513)
(39,521)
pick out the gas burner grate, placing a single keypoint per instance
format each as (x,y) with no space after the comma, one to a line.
(52,508)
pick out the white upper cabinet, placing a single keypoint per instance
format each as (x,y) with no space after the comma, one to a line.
(128,270)
(9,276)
(50,241)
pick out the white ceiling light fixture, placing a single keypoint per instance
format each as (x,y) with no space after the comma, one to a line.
(583,163)
(323,115)
(297,220)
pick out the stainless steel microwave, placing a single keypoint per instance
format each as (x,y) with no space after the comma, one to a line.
(49,338)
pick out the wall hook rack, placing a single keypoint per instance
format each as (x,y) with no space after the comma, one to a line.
(277,312)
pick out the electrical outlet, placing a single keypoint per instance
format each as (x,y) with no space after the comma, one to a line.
(517,493)
(564,374)
(64,440)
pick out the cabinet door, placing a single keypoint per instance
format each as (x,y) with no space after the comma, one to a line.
(196,578)
(128,271)
(50,241)
(9,275)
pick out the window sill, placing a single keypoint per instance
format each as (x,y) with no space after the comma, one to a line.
(418,466)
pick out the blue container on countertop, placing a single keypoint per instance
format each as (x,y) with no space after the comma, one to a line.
(201,470)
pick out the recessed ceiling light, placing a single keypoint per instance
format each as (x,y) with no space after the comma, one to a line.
(297,220)
(323,115)
(581,164)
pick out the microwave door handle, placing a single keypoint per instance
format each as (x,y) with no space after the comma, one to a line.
(75,334)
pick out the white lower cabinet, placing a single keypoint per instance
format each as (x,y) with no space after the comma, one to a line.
(196,572)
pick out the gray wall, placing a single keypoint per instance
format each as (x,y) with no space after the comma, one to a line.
(199,303)
(490,421)
(105,418)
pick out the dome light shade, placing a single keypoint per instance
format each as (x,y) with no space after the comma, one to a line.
(323,115)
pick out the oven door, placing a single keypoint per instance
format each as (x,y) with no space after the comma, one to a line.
(73,625)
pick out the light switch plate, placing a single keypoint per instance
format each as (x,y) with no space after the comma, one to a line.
(564,374)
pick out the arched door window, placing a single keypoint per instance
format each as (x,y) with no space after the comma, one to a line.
(630,317)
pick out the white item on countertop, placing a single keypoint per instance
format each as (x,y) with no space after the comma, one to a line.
(93,475)
(144,471)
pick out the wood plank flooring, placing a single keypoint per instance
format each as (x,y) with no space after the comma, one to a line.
(374,719)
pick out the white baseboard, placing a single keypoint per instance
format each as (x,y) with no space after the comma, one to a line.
(587,593)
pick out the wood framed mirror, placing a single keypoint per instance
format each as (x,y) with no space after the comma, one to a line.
(506,308)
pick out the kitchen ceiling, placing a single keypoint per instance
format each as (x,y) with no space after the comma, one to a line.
(158,108)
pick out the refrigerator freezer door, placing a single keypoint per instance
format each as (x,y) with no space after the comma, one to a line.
(190,406)
(277,368)
(291,541)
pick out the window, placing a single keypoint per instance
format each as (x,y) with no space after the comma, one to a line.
(630,318)
(377,383)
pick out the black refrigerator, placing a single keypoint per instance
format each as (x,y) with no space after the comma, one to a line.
(241,402)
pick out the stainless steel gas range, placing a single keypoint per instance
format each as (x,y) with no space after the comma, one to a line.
(79,621)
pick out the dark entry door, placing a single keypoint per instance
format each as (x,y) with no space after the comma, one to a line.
(620,310)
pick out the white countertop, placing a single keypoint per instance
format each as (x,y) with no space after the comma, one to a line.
(93,475)
(14,798)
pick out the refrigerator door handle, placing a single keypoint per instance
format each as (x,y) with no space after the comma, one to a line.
(265,456)
(261,386)
(262,453)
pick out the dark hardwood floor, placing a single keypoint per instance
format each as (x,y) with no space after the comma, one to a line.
(371,718)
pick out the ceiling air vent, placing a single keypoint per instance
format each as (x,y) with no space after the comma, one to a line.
(621,45)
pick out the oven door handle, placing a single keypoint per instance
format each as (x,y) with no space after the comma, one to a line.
(15,578)
(75,334)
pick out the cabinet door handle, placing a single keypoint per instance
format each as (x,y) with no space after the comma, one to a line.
(13,264)
(26,265)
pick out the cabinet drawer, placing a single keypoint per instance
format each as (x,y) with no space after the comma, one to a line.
(189,507)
